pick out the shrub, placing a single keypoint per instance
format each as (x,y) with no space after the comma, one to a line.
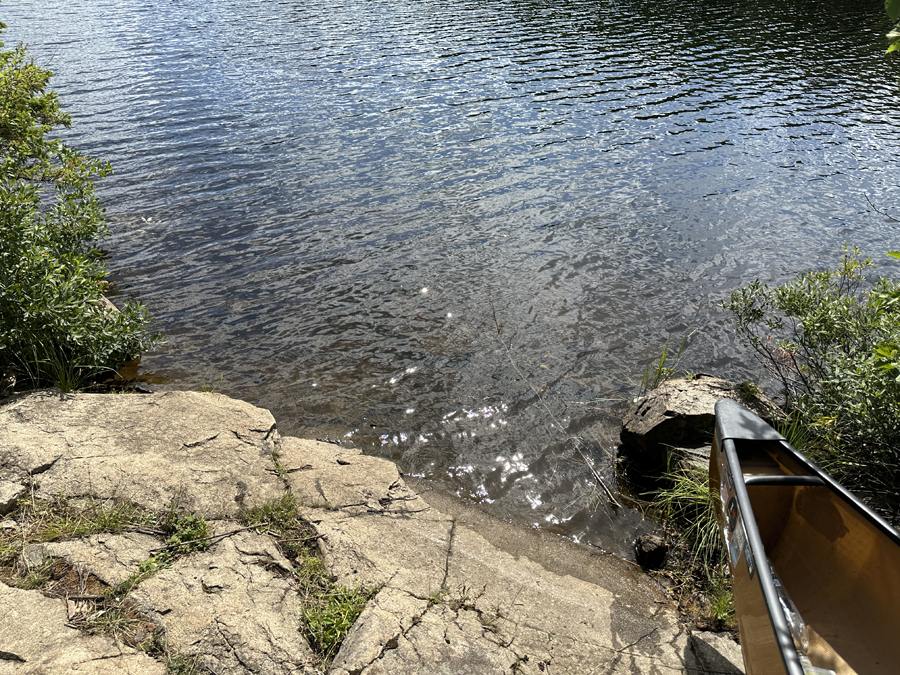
(55,325)
(830,340)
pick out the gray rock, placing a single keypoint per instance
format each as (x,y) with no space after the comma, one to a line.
(716,653)
(226,606)
(678,413)
(495,610)
(450,599)
(327,475)
(10,493)
(36,641)
(205,452)
(650,551)
(112,558)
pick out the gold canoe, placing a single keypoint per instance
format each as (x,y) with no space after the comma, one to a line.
(816,573)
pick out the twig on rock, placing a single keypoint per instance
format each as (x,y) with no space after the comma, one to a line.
(210,538)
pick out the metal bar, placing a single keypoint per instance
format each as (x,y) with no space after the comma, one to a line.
(779,622)
(784,481)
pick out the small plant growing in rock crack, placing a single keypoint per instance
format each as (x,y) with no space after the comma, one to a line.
(96,608)
(189,534)
(438,597)
(32,577)
(464,598)
(280,468)
(330,608)
(41,520)
(276,517)
(326,622)
(279,518)
(180,664)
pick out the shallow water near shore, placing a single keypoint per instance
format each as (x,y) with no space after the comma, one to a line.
(455,234)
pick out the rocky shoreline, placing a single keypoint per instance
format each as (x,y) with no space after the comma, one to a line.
(450,593)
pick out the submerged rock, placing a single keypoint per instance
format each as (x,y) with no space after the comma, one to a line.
(650,551)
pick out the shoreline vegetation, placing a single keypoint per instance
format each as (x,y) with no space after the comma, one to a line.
(56,325)
(830,342)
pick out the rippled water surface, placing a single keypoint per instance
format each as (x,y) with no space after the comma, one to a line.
(455,233)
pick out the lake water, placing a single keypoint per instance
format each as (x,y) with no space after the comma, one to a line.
(454,234)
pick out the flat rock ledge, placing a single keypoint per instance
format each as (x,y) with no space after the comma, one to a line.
(450,601)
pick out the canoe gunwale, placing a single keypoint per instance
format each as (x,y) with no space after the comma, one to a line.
(734,421)
(752,481)
(785,641)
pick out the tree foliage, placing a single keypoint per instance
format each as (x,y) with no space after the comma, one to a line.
(892,7)
(55,325)
(832,341)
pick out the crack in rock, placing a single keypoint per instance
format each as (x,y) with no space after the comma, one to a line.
(197,444)
(452,538)
(43,468)
(9,656)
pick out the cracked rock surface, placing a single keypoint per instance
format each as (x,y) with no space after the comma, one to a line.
(207,451)
(226,605)
(453,597)
(34,638)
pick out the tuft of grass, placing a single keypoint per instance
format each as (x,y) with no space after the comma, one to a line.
(721,597)
(798,434)
(280,519)
(327,622)
(280,468)
(275,517)
(57,519)
(32,578)
(181,664)
(687,507)
(312,576)
(698,570)
(188,534)
(665,369)
(210,387)
(61,518)
(438,597)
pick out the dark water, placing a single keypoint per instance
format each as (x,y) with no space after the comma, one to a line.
(455,233)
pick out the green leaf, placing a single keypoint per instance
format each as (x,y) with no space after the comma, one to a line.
(894,254)
(892,7)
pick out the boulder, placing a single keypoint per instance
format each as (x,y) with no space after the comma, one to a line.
(679,414)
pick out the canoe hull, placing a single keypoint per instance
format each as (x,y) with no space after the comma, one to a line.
(839,561)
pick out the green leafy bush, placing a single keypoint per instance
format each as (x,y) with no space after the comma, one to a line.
(55,325)
(830,340)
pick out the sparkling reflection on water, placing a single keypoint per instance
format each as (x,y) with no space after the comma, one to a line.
(454,234)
